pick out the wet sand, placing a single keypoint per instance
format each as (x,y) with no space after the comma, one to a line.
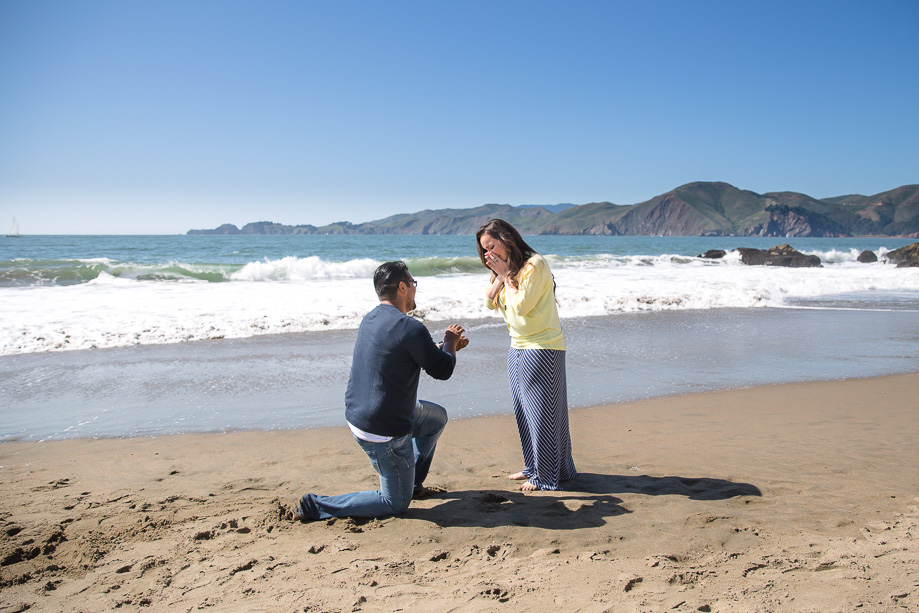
(800,496)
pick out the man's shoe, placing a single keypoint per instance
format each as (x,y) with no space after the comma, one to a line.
(290,512)
(421,491)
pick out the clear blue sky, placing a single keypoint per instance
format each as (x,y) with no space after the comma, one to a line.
(159,116)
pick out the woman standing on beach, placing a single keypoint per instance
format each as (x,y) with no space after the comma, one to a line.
(523,290)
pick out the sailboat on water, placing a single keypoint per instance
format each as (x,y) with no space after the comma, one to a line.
(14,231)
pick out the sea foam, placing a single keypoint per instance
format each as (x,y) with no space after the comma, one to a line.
(294,294)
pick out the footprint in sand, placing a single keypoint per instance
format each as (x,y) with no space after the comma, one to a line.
(495,593)
(53,485)
(492,502)
(248,484)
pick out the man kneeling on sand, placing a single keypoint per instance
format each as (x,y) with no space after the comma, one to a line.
(396,430)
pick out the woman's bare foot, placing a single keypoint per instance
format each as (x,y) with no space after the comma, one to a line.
(517,477)
(528,487)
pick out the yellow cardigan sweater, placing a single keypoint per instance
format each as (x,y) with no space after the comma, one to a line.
(531,314)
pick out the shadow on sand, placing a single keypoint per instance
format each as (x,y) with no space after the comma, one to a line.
(586,501)
(701,488)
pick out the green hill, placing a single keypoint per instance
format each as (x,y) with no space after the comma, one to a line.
(694,209)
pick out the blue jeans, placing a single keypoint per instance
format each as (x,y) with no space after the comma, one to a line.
(402,464)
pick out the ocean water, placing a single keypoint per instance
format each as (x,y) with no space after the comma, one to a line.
(82,292)
(143,336)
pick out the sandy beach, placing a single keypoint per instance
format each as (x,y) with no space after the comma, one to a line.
(801,497)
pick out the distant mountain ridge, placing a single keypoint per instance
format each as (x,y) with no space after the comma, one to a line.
(552,208)
(694,209)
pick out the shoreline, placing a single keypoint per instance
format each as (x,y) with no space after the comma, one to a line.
(608,406)
(799,496)
(298,380)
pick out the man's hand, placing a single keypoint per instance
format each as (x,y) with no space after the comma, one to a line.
(454,339)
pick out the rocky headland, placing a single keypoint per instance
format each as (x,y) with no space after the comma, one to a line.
(694,209)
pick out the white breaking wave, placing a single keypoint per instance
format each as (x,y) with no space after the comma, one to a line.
(309,294)
(302,269)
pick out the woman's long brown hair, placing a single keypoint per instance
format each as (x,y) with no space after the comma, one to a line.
(518,251)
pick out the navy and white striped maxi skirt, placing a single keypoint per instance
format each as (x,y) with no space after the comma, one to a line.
(540,394)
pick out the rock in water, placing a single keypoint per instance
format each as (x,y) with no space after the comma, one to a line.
(905,257)
(780,255)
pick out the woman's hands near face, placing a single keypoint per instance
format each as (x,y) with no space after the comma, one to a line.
(495,254)
(493,261)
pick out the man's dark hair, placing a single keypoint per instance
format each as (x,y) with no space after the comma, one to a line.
(387,276)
